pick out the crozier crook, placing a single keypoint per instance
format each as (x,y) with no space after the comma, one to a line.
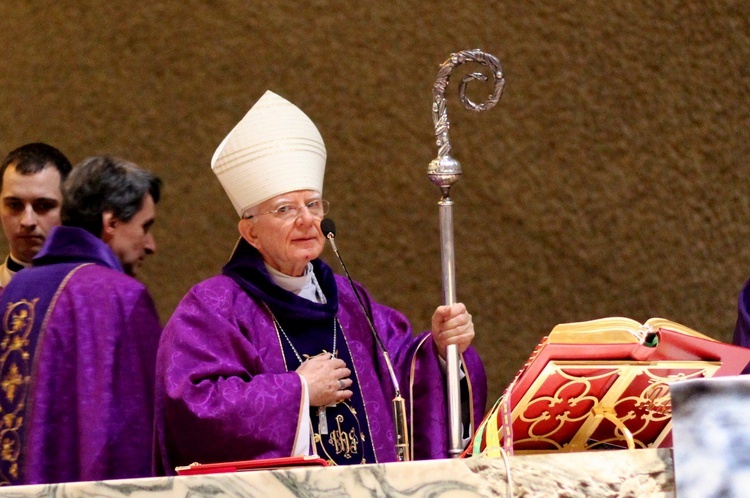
(443,172)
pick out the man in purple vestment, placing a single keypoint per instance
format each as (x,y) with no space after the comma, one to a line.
(275,357)
(77,354)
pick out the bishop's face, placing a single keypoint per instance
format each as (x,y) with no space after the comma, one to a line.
(286,230)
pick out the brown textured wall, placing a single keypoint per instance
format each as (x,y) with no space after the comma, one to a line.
(610,179)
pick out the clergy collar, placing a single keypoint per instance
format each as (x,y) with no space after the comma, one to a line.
(247,268)
(14,265)
(305,285)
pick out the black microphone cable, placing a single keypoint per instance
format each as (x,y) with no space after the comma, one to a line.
(328,227)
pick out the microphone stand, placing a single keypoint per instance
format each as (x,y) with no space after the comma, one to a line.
(443,172)
(399,405)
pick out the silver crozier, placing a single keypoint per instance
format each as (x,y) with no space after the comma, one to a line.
(443,172)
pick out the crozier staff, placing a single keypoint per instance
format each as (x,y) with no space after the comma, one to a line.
(275,357)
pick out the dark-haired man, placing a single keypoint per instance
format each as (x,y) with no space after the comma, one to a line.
(79,337)
(30,201)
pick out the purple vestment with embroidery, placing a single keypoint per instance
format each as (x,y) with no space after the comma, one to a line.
(224,392)
(89,413)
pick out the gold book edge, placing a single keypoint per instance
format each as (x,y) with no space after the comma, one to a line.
(616,330)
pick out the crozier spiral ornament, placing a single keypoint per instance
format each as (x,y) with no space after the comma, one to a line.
(444,171)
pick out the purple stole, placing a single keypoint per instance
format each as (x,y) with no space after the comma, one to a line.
(24,322)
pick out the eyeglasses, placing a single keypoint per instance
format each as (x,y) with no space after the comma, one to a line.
(317,208)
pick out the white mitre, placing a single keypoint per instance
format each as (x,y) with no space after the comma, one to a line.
(274,149)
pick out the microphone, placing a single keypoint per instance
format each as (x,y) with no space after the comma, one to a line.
(328,227)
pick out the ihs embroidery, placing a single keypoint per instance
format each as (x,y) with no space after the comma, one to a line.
(344,444)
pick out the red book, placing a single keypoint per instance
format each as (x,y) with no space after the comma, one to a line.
(248,465)
(602,384)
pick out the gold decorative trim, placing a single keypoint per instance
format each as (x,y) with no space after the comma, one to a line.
(27,404)
(569,401)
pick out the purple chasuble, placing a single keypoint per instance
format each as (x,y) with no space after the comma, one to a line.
(22,322)
(304,329)
(225,391)
(88,406)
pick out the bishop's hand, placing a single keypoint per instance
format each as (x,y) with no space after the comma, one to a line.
(327,379)
(452,325)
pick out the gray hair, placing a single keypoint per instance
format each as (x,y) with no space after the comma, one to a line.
(103,184)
